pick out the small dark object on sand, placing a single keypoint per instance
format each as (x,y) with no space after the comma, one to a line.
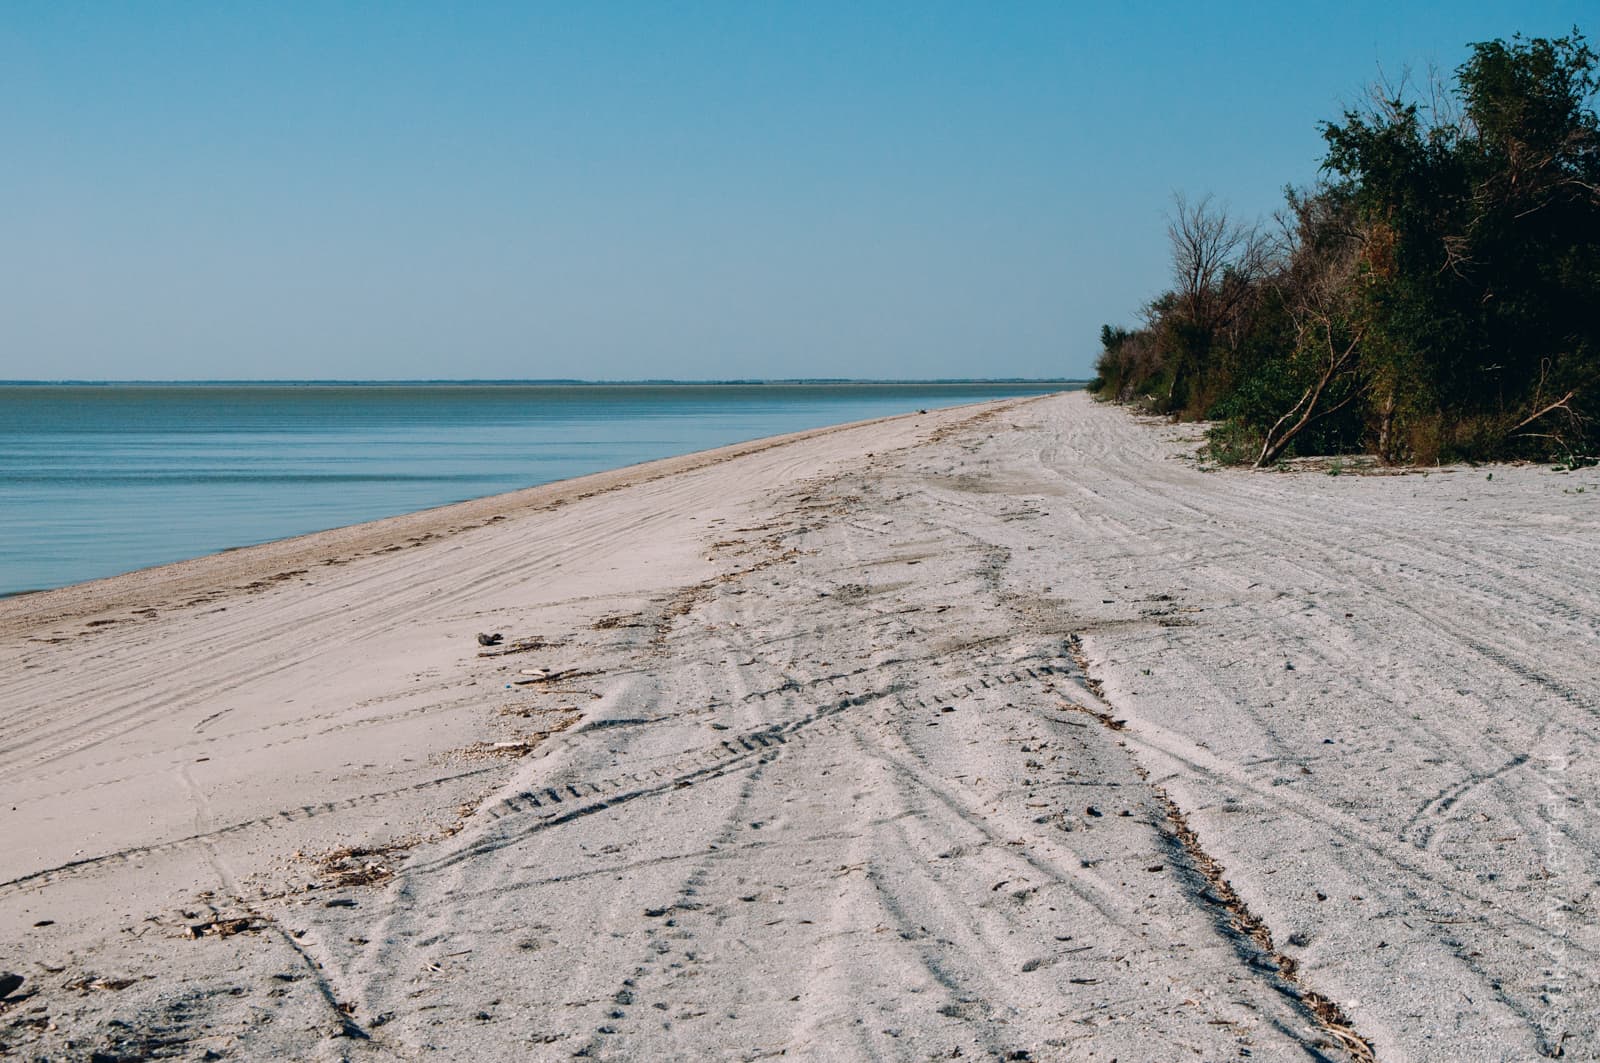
(9,983)
(222,928)
(489,640)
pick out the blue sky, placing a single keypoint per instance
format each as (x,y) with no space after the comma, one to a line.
(614,191)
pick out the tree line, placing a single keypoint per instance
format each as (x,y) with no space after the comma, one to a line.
(1435,296)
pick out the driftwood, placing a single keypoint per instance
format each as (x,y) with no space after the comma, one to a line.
(544,675)
(222,928)
(534,642)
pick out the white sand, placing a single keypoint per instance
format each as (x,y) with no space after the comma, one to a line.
(827,779)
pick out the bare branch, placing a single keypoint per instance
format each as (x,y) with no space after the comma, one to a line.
(1563,403)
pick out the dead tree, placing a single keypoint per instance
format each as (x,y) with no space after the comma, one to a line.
(1339,363)
(1216,262)
(1319,287)
(1569,417)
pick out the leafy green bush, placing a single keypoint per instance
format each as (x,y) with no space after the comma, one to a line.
(1433,299)
(1232,442)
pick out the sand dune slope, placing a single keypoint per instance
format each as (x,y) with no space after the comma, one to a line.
(1002,733)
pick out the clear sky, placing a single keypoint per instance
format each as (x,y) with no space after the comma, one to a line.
(613,190)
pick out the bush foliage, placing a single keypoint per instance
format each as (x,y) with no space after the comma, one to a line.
(1436,296)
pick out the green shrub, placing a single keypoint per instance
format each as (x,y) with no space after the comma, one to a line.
(1233,442)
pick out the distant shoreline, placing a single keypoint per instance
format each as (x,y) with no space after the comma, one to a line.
(559,382)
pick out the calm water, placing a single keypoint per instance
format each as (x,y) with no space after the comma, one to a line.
(96,480)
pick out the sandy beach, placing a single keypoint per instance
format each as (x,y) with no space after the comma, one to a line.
(1001,732)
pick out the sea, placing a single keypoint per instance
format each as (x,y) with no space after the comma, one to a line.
(99,479)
